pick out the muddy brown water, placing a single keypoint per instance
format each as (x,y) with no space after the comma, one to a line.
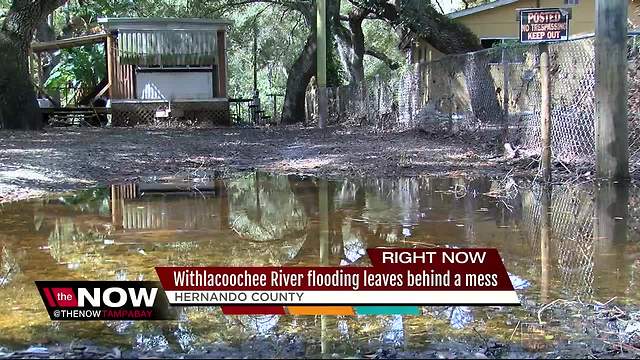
(576,242)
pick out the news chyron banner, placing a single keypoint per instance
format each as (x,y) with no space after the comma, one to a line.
(401,279)
(397,282)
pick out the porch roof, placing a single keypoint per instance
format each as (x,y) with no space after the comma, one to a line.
(129,23)
(166,41)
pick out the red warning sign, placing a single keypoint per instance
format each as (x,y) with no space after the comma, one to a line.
(544,25)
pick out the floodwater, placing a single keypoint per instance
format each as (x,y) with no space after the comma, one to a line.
(575,242)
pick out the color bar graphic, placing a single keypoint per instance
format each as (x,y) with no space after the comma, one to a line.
(387,310)
(320,310)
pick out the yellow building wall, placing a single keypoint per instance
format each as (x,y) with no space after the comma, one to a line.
(502,22)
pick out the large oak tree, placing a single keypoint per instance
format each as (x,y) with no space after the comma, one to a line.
(18,103)
(409,16)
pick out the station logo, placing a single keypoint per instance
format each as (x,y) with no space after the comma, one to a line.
(105,300)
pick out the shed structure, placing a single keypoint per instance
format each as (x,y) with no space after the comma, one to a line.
(167,68)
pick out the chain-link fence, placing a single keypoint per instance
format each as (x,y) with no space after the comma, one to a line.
(348,106)
(589,232)
(462,93)
(572,242)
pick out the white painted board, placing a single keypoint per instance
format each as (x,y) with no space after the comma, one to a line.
(167,85)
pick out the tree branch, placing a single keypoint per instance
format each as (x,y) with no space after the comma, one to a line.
(422,19)
(439,6)
(393,65)
(303,6)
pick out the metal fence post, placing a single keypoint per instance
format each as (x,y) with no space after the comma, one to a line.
(545,113)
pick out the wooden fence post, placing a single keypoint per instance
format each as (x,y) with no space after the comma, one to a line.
(40,74)
(612,129)
(323,213)
(110,57)
(321,33)
(505,97)
(545,240)
(611,228)
(545,113)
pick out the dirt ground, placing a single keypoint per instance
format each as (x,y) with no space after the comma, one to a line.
(35,163)
(38,163)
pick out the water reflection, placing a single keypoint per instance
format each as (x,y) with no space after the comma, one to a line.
(586,243)
(564,242)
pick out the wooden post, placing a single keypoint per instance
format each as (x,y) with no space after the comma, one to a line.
(110,57)
(273,116)
(505,97)
(545,113)
(322,62)
(545,239)
(611,231)
(612,132)
(323,209)
(255,55)
(376,116)
(223,196)
(40,74)
(324,337)
(222,64)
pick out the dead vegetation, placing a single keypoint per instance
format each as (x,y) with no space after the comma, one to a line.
(616,328)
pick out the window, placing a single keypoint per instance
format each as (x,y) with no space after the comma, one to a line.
(489,43)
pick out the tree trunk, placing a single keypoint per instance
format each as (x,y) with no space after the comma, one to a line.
(304,68)
(482,90)
(300,74)
(359,86)
(352,51)
(18,103)
(357,40)
(351,45)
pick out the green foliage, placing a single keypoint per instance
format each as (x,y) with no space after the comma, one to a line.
(4,7)
(509,44)
(91,200)
(513,49)
(79,70)
(90,12)
(466,4)
(381,36)
(281,34)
